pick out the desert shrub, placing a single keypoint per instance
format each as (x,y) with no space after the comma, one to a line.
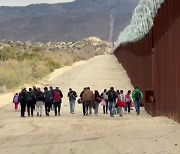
(52,65)
(40,71)
(14,73)
(38,49)
(18,67)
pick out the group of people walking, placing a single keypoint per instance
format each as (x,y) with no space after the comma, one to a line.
(114,102)
(34,99)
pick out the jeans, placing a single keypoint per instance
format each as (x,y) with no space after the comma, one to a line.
(84,108)
(116,110)
(47,107)
(39,105)
(128,107)
(137,106)
(96,108)
(30,106)
(57,105)
(23,109)
(72,106)
(105,108)
(111,108)
(88,107)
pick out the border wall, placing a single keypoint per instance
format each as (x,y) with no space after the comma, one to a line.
(153,63)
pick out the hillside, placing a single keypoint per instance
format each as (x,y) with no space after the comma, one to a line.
(65,21)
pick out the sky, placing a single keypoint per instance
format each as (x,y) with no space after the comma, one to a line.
(28,2)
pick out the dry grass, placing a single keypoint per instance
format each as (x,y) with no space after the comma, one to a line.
(18,68)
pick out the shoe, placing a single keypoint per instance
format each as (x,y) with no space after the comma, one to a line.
(31,115)
(120,115)
(72,112)
(59,113)
(37,114)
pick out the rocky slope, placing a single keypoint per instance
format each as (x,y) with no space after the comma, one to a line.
(65,21)
(91,44)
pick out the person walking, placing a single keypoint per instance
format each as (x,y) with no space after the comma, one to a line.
(112,100)
(88,98)
(34,90)
(16,101)
(96,102)
(52,93)
(128,101)
(121,97)
(105,98)
(137,97)
(30,100)
(72,98)
(57,101)
(48,98)
(117,98)
(39,101)
(83,103)
(22,100)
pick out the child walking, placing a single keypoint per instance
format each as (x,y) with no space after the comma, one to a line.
(16,101)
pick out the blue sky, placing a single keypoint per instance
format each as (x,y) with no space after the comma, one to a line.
(27,2)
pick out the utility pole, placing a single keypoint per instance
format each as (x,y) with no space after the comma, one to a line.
(111,32)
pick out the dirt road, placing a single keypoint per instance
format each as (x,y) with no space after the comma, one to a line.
(76,134)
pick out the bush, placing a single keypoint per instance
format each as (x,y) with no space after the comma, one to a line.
(18,67)
(40,71)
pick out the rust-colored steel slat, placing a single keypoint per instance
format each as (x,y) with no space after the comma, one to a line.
(153,63)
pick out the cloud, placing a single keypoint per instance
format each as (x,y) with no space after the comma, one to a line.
(27,2)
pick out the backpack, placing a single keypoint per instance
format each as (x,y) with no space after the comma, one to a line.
(111,95)
(29,97)
(16,99)
(137,95)
(48,97)
(72,95)
(39,96)
(57,97)
(105,96)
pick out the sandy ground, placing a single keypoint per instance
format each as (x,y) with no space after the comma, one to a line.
(76,134)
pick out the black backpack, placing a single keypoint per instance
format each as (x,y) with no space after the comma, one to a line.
(137,95)
(40,96)
(29,97)
(111,95)
(48,97)
(72,95)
